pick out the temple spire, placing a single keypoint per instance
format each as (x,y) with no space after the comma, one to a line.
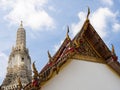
(19,65)
(21,36)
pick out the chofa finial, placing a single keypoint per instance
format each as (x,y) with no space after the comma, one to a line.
(34,70)
(113,50)
(49,55)
(67,34)
(88,13)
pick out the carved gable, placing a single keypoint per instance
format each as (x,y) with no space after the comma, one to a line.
(84,50)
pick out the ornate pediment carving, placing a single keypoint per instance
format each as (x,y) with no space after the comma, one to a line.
(86,50)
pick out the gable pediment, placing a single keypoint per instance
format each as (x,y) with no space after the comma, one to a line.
(89,44)
(85,51)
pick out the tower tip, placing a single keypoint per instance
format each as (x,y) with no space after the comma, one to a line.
(21,24)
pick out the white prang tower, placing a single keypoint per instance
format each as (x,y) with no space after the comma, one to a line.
(19,64)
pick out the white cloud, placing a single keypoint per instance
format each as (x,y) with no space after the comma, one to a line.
(100,20)
(51,8)
(30,11)
(116,27)
(77,26)
(3,64)
(107,2)
(6,41)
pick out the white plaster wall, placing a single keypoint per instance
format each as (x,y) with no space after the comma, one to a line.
(83,75)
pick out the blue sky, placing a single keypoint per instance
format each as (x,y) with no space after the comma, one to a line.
(45,22)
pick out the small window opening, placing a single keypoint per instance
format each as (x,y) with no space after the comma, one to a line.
(22,59)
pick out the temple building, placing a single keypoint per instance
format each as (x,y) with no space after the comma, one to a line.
(82,63)
(19,64)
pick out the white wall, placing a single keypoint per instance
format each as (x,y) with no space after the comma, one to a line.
(83,75)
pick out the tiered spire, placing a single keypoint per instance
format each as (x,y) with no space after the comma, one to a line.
(19,64)
(21,36)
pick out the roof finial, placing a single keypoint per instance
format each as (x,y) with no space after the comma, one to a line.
(49,55)
(113,50)
(35,70)
(67,35)
(21,24)
(88,12)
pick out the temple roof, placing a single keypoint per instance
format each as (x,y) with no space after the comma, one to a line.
(87,43)
(89,33)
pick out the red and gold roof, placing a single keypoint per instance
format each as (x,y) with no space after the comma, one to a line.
(86,45)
